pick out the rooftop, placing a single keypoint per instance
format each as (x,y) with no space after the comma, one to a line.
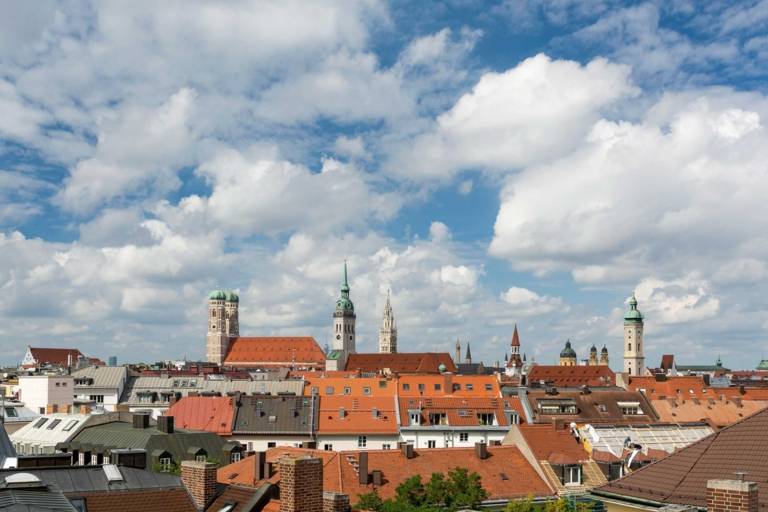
(299,351)
(402,362)
(572,376)
(357,414)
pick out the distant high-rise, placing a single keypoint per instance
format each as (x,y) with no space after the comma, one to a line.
(388,331)
(634,360)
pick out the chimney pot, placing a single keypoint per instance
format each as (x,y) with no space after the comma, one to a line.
(481,451)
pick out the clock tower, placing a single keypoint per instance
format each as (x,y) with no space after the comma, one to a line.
(634,358)
(344,321)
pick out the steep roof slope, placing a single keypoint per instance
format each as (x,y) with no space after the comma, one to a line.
(682,477)
(275,350)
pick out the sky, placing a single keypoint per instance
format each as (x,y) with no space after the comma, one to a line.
(529,162)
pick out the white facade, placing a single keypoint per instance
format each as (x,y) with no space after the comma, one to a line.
(42,435)
(454,437)
(47,393)
(101,386)
(346,442)
(264,442)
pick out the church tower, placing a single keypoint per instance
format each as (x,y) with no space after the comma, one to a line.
(568,355)
(515,363)
(388,331)
(634,360)
(593,356)
(223,324)
(604,356)
(344,320)
(457,353)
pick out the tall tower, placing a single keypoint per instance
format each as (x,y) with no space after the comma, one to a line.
(515,363)
(344,320)
(231,307)
(457,356)
(604,356)
(593,355)
(634,360)
(468,357)
(217,340)
(388,331)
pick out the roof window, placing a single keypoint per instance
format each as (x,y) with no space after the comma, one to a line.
(40,422)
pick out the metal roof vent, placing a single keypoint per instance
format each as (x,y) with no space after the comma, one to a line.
(112,473)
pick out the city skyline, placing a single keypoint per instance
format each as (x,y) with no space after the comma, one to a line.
(491,163)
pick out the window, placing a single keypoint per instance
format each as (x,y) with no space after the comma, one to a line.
(165,464)
(63,384)
(58,384)
(557,407)
(81,459)
(414,417)
(69,426)
(438,418)
(469,387)
(421,388)
(202,457)
(53,424)
(382,384)
(41,422)
(347,390)
(235,456)
(386,446)
(437,387)
(41,410)
(315,390)
(406,387)
(615,471)
(97,398)
(572,475)
(366,390)
(11,412)
(94,459)
(362,441)
(602,407)
(271,444)
(329,390)
(485,418)
(456,387)
(463,437)
(489,387)
(630,408)
(431,444)
(145,398)
(328,447)
(629,346)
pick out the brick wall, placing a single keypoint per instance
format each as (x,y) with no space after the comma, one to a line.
(335,502)
(301,484)
(200,480)
(731,496)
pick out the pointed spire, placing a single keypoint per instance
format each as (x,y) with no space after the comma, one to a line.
(468,357)
(345,284)
(515,338)
(458,344)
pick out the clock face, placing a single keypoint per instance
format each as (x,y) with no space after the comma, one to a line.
(338,336)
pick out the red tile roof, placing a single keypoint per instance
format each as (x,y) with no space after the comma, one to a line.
(356,386)
(301,351)
(459,411)
(681,478)
(547,442)
(208,413)
(56,356)
(573,376)
(403,362)
(358,415)
(167,500)
(238,495)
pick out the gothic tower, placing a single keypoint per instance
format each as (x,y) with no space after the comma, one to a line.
(344,320)
(468,357)
(604,356)
(634,360)
(223,324)
(457,354)
(388,331)
(514,364)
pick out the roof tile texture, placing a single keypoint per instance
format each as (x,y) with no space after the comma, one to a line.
(411,362)
(573,376)
(275,350)
(167,500)
(212,414)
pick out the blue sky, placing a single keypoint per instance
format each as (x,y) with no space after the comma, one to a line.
(492,163)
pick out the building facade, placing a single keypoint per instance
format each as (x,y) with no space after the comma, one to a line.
(634,360)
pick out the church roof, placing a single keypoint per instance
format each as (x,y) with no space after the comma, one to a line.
(401,362)
(56,356)
(515,338)
(274,350)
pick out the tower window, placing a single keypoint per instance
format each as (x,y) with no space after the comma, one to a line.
(213,313)
(629,346)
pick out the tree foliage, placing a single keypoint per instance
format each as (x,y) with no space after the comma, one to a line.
(442,493)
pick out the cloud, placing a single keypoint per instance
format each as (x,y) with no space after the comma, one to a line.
(608,220)
(353,147)
(439,232)
(531,113)
(683,300)
(527,303)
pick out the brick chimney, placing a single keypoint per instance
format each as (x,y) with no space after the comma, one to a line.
(165,424)
(731,496)
(335,502)
(362,468)
(200,480)
(260,462)
(140,420)
(481,451)
(301,484)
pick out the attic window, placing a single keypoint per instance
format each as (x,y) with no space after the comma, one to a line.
(489,387)
(469,387)
(69,426)
(366,390)
(40,422)
(273,419)
(382,384)
(53,424)
(406,387)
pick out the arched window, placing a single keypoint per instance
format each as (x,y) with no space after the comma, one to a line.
(213,313)
(629,346)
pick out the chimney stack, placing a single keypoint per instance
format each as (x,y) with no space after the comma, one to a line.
(362,468)
(481,450)
(165,424)
(731,496)
(140,420)
(335,502)
(301,484)
(260,461)
(200,480)
(407,449)
(378,478)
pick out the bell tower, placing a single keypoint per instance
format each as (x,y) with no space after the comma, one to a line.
(634,359)
(344,320)
(217,339)
(388,331)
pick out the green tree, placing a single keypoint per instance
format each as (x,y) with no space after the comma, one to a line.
(525,505)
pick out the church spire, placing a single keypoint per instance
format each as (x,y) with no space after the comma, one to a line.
(468,357)
(388,330)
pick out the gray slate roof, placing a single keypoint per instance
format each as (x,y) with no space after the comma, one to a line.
(93,479)
(186,385)
(30,500)
(104,377)
(276,415)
